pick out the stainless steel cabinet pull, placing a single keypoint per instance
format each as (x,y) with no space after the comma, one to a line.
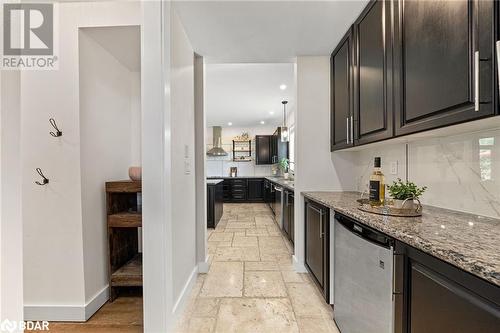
(347,129)
(352,131)
(497,44)
(476,81)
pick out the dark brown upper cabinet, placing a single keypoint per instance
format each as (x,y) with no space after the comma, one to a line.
(263,149)
(373,117)
(443,63)
(342,116)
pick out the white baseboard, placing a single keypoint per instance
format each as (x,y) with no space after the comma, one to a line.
(203,266)
(67,312)
(184,295)
(298,266)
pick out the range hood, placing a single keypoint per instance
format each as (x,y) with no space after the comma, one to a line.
(217,142)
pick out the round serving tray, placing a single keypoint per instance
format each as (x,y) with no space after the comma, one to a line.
(390,210)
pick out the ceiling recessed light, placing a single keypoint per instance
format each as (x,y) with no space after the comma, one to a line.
(283,86)
(271,112)
(262,122)
(229,124)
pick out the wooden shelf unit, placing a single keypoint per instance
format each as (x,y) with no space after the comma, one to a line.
(124,217)
(242,147)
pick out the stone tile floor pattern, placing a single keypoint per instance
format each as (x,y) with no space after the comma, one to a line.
(251,285)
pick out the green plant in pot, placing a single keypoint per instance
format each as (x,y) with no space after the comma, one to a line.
(283,164)
(403,193)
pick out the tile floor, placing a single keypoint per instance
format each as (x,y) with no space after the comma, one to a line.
(251,285)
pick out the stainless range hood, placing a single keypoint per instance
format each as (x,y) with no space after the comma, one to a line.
(217,142)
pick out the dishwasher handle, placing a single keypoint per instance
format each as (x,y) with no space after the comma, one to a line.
(364,232)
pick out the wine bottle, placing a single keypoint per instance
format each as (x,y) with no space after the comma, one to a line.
(377,185)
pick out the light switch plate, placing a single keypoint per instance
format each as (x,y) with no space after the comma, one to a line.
(187,168)
(394,168)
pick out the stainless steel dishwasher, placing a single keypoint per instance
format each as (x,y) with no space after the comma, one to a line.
(363,279)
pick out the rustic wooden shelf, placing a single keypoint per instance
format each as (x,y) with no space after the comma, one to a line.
(125,220)
(124,186)
(129,275)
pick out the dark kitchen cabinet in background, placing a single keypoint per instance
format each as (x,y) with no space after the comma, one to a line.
(215,202)
(317,244)
(443,53)
(255,189)
(263,151)
(342,117)
(238,190)
(372,98)
(466,303)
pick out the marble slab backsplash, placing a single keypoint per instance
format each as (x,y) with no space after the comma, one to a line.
(462,172)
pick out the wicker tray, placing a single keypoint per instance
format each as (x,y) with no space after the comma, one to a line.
(390,210)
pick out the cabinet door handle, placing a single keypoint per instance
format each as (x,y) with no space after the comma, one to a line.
(476,81)
(352,130)
(497,44)
(347,128)
(321,226)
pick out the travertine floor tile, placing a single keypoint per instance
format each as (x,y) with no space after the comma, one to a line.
(251,285)
(264,284)
(224,279)
(249,315)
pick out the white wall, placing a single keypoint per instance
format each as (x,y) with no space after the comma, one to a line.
(220,166)
(182,163)
(53,230)
(316,169)
(109,144)
(11,252)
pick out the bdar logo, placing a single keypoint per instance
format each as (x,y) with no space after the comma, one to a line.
(28,29)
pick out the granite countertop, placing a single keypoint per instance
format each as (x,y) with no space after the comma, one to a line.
(288,184)
(212,181)
(467,241)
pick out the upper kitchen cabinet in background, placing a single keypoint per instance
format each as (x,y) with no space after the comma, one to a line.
(373,119)
(342,117)
(443,63)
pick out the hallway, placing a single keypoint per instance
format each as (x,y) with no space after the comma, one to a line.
(251,285)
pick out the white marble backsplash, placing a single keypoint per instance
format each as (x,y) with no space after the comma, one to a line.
(461,172)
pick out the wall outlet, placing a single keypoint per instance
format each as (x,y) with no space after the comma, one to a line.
(394,168)
(187,168)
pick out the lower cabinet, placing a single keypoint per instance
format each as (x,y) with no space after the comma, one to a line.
(255,189)
(244,190)
(442,298)
(215,202)
(317,246)
(288,214)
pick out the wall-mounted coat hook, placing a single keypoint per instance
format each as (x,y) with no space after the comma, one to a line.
(45,180)
(58,132)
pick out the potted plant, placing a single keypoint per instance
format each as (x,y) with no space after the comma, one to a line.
(403,193)
(283,164)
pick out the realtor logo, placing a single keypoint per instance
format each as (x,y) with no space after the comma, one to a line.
(28,36)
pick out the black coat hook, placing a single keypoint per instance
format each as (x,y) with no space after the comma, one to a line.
(58,131)
(45,180)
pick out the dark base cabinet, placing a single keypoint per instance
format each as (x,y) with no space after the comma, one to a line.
(317,235)
(439,297)
(288,215)
(255,189)
(243,190)
(215,203)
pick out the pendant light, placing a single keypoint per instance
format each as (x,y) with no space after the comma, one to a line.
(283,128)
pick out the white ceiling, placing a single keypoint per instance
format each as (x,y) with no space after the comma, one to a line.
(123,42)
(244,94)
(265,31)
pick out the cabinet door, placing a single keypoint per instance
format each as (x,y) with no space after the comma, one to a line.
(372,45)
(458,310)
(227,190)
(263,154)
(291,216)
(341,86)
(286,214)
(255,189)
(211,206)
(443,63)
(315,249)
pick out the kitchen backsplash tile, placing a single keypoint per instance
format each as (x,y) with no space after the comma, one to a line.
(220,166)
(461,172)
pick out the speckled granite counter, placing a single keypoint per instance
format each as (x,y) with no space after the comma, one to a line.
(467,241)
(214,181)
(288,184)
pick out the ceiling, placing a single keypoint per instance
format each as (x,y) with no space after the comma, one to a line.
(265,31)
(246,94)
(123,42)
